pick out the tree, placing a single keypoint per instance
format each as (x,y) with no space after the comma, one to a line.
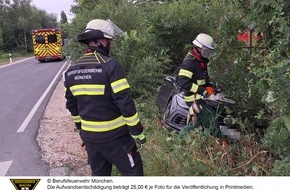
(63,17)
(271,18)
(18,18)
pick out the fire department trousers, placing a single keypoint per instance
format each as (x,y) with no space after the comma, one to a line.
(121,152)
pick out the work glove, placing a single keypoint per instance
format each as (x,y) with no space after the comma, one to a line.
(140,139)
(210,90)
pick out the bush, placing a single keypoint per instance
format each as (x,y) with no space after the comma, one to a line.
(144,66)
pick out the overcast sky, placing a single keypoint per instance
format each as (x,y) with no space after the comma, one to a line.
(55,6)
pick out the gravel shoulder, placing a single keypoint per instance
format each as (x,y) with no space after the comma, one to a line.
(60,144)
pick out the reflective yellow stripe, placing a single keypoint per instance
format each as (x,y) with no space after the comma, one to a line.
(65,89)
(141,136)
(133,120)
(120,85)
(201,82)
(76,119)
(192,98)
(189,98)
(198,96)
(186,73)
(88,89)
(102,126)
(194,87)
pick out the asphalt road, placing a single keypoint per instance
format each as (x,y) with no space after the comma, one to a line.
(25,89)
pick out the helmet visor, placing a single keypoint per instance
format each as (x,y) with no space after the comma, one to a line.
(205,52)
(113,30)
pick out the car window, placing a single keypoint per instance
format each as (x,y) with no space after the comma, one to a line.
(52,38)
(40,39)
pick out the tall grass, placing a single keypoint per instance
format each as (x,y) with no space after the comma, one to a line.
(5,58)
(165,154)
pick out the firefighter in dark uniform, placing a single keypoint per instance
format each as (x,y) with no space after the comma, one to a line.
(99,100)
(194,81)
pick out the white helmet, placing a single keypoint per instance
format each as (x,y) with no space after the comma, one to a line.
(205,42)
(98,28)
(109,29)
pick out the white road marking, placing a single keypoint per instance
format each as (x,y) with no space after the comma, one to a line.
(38,103)
(15,62)
(4,166)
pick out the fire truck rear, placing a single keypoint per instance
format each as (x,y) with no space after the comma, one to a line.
(48,44)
